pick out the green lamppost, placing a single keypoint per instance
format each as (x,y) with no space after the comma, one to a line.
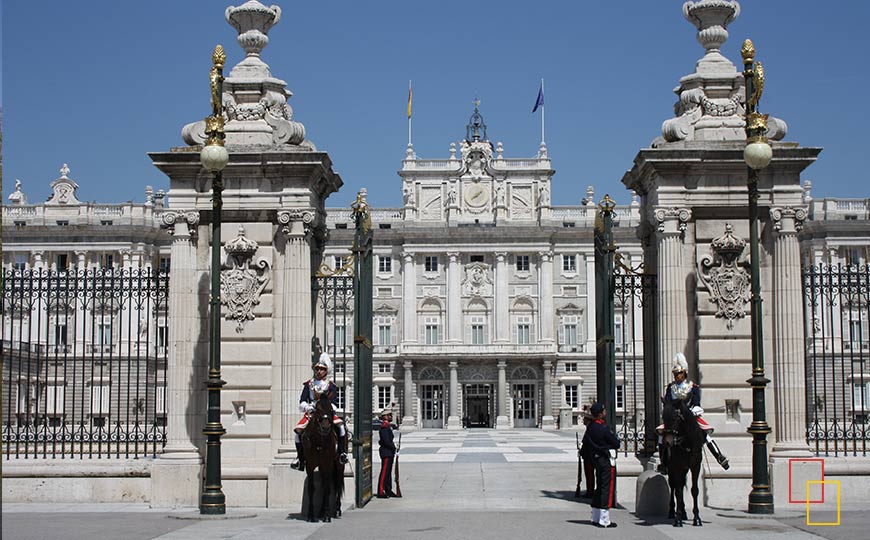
(214,158)
(757,155)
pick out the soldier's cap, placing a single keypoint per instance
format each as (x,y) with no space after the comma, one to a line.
(596,409)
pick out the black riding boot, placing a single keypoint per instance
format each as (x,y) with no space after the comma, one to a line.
(299,464)
(342,449)
(717,453)
(664,455)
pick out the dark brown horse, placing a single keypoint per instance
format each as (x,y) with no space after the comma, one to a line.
(685,439)
(320,442)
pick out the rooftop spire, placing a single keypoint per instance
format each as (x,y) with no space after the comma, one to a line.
(475,130)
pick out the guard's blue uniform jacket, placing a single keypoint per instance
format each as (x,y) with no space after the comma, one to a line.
(599,439)
(387,446)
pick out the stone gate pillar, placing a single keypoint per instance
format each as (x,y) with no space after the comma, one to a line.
(693,180)
(273,217)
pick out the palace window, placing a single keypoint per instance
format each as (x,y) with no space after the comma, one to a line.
(100,392)
(385,396)
(432,330)
(61,345)
(384,368)
(160,400)
(162,339)
(568,333)
(478,330)
(476,258)
(61,262)
(340,397)
(570,367)
(20,263)
(107,261)
(163,265)
(63,223)
(522,263)
(385,264)
(569,263)
(620,397)
(524,329)
(572,395)
(430,263)
(385,331)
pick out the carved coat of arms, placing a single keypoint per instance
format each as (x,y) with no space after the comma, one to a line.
(242,279)
(727,281)
(477,281)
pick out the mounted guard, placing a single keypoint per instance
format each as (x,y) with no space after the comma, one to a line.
(682,389)
(311,391)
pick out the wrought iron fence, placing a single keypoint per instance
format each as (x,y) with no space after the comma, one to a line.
(836,300)
(333,327)
(84,362)
(634,303)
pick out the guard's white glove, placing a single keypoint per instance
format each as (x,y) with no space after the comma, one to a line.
(309,409)
(306,407)
(697,411)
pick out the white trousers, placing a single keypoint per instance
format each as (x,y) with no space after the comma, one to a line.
(601,516)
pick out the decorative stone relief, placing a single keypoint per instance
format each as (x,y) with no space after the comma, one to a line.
(243,280)
(710,104)
(255,103)
(63,190)
(723,276)
(478,373)
(477,281)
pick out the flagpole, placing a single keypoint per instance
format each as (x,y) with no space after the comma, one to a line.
(543,106)
(410,95)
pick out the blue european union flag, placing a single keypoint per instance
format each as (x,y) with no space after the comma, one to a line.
(540,101)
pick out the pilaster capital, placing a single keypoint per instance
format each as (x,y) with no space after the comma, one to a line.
(547,364)
(453,256)
(454,365)
(296,221)
(546,256)
(502,364)
(670,220)
(169,218)
(408,364)
(788,219)
(408,256)
(38,255)
(500,256)
(80,254)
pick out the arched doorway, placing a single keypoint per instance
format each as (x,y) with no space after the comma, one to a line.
(523,392)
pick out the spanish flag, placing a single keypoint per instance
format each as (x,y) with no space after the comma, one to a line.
(410,98)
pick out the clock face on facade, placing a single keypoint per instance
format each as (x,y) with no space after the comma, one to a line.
(476,195)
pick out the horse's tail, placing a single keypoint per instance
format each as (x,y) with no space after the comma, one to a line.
(338,484)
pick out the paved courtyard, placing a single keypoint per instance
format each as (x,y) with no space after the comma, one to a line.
(481,484)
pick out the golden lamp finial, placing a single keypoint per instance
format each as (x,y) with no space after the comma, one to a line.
(748,52)
(218,57)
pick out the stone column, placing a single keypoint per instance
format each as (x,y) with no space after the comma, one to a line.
(453,421)
(454,298)
(545,308)
(788,334)
(590,302)
(129,319)
(547,420)
(175,475)
(38,331)
(409,299)
(502,421)
(408,419)
(81,332)
(673,318)
(502,300)
(292,323)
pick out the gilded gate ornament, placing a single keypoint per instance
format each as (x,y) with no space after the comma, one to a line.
(727,281)
(242,279)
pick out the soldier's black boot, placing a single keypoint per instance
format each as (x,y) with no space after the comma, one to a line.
(342,449)
(717,453)
(299,464)
(664,455)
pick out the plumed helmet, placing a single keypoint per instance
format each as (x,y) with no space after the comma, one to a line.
(386,411)
(324,361)
(680,364)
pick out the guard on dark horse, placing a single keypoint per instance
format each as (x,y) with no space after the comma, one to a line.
(312,389)
(320,444)
(686,391)
(682,437)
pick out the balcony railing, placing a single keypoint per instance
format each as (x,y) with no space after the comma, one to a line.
(465,350)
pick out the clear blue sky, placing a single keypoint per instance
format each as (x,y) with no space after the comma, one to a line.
(97,84)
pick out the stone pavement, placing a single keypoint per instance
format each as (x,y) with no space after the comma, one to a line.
(477,494)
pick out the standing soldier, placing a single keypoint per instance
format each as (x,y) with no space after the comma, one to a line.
(600,441)
(682,389)
(311,391)
(387,451)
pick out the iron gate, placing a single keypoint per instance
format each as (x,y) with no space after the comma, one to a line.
(836,300)
(84,362)
(626,359)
